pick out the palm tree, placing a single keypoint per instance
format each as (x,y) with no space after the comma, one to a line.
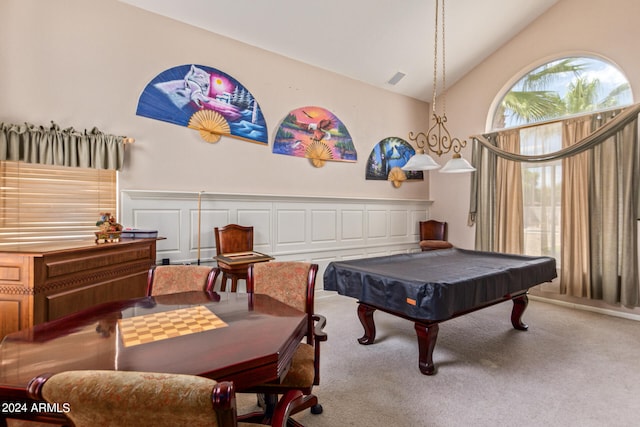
(531,98)
(582,96)
(611,100)
(530,107)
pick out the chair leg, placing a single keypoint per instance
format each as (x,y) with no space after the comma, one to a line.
(284,407)
(268,403)
(304,402)
(301,404)
(291,403)
(223,282)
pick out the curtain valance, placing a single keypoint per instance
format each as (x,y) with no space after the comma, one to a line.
(600,135)
(61,147)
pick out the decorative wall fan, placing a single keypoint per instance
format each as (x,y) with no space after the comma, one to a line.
(205,99)
(318,152)
(314,133)
(386,160)
(210,124)
(397,176)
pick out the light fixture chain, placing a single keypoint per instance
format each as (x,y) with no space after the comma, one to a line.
(444,83)
(435,62)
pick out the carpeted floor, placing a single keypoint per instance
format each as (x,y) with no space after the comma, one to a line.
(571,368)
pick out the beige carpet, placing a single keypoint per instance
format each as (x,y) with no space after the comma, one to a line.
(571,368)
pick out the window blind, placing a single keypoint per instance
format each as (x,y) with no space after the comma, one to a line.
(44,203)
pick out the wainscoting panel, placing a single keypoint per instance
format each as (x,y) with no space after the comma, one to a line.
(290,228)
(352,227)
(164,218)
(324,225)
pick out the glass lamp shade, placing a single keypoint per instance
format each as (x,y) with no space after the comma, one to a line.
(420,162)
(457,165)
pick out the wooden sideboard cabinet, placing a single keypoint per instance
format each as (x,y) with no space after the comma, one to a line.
(38,284)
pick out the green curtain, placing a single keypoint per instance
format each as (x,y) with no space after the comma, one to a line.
(614,183)
(483,194)
(61,147)
(614,202)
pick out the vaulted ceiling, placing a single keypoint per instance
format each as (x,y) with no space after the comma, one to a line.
(367,40)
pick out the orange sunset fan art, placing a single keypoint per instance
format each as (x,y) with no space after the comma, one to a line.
(316,134)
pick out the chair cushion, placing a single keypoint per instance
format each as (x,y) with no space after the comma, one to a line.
(435,244)
(302,371)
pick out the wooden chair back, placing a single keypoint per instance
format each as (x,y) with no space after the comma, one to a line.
(233,238)
(433,235)
(433,230)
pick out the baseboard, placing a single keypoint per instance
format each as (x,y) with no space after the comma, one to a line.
(599,310)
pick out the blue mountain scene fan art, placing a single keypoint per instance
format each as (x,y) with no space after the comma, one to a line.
(389,156)
(205,99)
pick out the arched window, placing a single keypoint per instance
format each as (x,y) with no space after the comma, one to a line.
(534,105)
(561,88)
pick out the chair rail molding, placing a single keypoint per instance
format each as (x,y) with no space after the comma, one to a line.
(289,228)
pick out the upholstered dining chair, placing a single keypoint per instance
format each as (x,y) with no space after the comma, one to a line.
(168,279)
(433,235)
(293,283)
(233,238)
(143,399)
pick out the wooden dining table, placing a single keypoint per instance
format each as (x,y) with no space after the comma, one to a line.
(247,339)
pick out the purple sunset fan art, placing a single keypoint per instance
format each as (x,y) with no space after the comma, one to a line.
(205,99)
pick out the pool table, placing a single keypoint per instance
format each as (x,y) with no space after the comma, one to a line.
(428,288)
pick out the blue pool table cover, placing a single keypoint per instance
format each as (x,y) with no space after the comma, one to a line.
(437,285)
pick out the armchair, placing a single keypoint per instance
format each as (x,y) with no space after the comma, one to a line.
(292,283)
(143,399)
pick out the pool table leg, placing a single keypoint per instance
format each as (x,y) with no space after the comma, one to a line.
(427,336)
(519,305)
(365,314)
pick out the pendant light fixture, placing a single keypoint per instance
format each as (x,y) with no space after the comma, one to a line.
(438,139)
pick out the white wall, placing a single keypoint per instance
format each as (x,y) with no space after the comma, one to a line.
(85,63)
(607,29)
